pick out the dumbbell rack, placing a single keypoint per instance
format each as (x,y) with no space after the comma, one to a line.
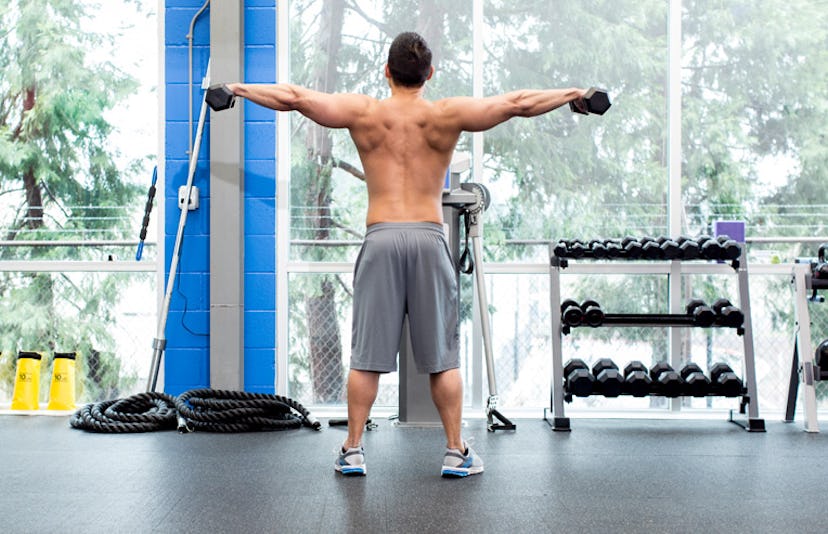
(803,367)
(555,415)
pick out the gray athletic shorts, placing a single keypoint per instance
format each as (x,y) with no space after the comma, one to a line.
(405,268)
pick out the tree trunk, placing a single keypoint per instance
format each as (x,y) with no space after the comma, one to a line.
(323,325)
(34,197)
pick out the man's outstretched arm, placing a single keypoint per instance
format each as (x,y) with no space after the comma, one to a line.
(338,110)
(478,114)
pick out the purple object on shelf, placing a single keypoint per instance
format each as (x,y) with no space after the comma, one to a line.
(733,229)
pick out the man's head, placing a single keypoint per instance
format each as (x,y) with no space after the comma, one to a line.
(409,60)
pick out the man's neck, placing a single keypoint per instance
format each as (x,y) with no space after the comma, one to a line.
(400,91)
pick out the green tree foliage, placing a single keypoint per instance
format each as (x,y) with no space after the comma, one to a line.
(754,88)
(58,179)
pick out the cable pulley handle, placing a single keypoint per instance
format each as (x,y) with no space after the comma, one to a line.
(466,263)
(147,209)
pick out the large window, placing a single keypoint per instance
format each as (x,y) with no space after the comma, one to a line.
(750,99)
(78,128)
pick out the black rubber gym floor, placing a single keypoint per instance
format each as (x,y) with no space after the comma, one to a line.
(607,475)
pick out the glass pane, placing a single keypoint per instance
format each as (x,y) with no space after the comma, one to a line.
(567,175)
(753,129)
(109,319)
(81,112)
(342,47)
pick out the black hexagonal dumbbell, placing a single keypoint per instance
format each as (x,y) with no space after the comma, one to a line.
(703,315)
(593,315)
(821,359)
(669,248)
(689,248)
(666,381)
(650,249)
(631,248)
(731,249)
(571,313)
(727,314)
(597,101)
(637,381)
(724,382)
(220,97)
(710,248)
(609,381)
(576,248)
(578,380)
(596,246)
(695,383)
(614,249)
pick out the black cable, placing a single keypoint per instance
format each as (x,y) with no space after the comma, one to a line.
(466,264)
(208,410)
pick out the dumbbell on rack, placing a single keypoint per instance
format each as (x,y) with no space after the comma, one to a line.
(821,359)
(571,313)
(689,248)
(724,382)
(631,247)
(609,381)
(703,315)
(593,315)
(588,313)
(650,249)
(666,381)
(727,314)
(578,380)
(695,383)
(637,381)
(719,248)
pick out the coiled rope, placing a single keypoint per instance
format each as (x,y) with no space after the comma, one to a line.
(209,410)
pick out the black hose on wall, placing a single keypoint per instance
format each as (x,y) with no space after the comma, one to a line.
(208,410)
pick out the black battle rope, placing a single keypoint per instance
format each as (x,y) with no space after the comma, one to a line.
(218,410)
(144,412)
(207,410)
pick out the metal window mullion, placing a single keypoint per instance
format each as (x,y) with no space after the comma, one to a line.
(674,173)
(477,176)
(282,202)
(50,266)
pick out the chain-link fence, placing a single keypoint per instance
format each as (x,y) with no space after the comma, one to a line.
(107,319)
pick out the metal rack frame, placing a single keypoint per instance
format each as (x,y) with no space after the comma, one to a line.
(803,367)
(556,416)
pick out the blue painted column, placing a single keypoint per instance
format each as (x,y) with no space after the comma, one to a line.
(260,202)
(186,361)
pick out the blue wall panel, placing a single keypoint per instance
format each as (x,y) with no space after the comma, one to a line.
(187,354)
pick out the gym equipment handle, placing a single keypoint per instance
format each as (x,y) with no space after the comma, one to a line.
(147,209)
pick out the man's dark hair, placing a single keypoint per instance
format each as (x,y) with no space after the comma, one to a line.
(409,60)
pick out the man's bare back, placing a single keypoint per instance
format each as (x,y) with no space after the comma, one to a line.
(405,148)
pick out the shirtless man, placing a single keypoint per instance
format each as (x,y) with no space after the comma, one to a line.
(405,143)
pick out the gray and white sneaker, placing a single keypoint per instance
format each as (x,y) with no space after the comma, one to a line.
(351,461)
(457,463)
